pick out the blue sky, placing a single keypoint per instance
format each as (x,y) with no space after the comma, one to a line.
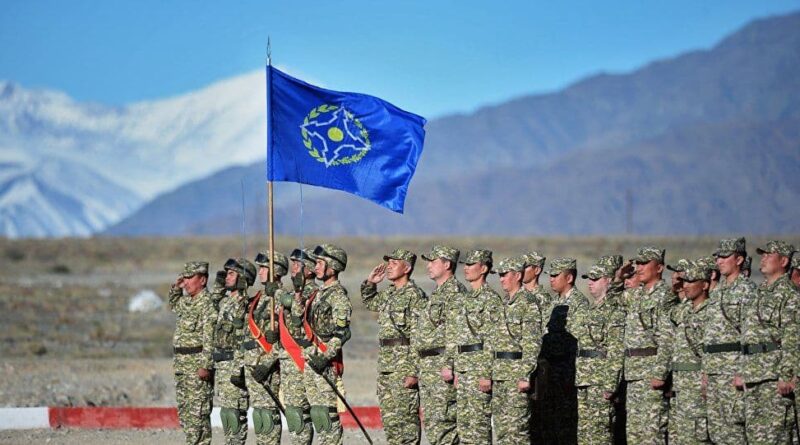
(430,57)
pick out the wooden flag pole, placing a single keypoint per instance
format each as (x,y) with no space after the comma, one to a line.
(269,198)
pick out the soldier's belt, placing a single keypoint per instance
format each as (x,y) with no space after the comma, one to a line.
(640,352)
(592,353)
(723,347)
(222,355)
(760,348)
(394,342)
(248,345)
(684,366)
(470,348)
(187,349)
(516,355)
(431,352)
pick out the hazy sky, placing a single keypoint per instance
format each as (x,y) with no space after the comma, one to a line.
(430,57)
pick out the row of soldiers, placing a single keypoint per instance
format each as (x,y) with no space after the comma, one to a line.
(709,358)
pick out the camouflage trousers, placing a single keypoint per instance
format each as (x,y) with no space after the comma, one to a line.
(473,411)
(647,414)
(195,399)
(438,407)
(594,416)
(231,397)
(266,416)
(293,394)
(399,409)
(688,423)
(725,406)
(769,417)
(512,413)
(323,402)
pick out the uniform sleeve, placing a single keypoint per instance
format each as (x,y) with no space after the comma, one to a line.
(418,304)
(531,341)
(615,349)
(342,311)
(665,331)
(209,319)
(455,302)
(790,358)
(370,296)
(175,294)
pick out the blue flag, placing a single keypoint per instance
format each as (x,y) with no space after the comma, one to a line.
(345,141)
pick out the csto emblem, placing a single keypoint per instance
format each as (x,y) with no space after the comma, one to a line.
(334,136)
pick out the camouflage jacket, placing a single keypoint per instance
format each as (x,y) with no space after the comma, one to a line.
(441,305)
(599,330)
(230,324)
(543,301)
(514,328)
(687,356)
(724,324)
(194,326)
(648,325)
(469,327)
(771,319)
(293,317)
(254,354)
(329,317)
(398,311)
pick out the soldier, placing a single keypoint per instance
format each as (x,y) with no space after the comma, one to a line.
(795,276)
(260,351)
(534,266)
(721,344)
(688,423)
(327,314)
(466,331)
(710,263)
(293,341)
(437,392)
(398,306)
(515,341)
(229,383)
(646,370)
(770,341)
(194,329)
(677,273)
(598,328)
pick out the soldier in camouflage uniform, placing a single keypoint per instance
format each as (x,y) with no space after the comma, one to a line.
(466,331)
(436,389)
(598,327)
(770,340)
(710,263)
(677,273)
(328,315)
(229,383)
(514,339)
(399,306)
(795,274)
(194,329)
(721,344)
(298,415)
(645,368)
(261,353)
(534,267)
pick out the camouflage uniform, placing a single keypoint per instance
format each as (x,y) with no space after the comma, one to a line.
(466,333)
(769,345)
(194,329)
(598,329)
(398,311)
(541,300)
(514,339)
(646,325)
(437,396)
(722,351)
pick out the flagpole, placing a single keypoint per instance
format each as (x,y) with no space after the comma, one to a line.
(269,192)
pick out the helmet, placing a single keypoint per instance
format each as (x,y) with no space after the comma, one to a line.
(243,268)
(279,260)
(333,255)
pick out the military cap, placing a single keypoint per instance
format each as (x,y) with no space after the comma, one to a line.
(729,246)
(482,256)
(610,262)
(708,262)
(696,271)
(279,260)
(796,260)
(777,246)
(598,271)
(304,256)
(559,265)
(533,258)
(332,254)
(193,268)
(679,266)
(402,254)
(443,252)
(512,264)
(649,253)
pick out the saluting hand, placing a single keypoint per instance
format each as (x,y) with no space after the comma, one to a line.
(377,274)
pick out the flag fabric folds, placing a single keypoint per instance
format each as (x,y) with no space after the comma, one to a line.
(352,142)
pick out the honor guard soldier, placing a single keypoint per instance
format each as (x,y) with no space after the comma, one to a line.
(769,365)
(534,267)
(192,345)
(398,306)
(231,287)
(437,393)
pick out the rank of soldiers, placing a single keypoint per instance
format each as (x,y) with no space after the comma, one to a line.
(709,357)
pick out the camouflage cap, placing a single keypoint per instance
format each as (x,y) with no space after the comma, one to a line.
(512,264)
(610,262)
(729,246)
(777,246)
(679,266)
(533,258)
(696,271)
(332,254)
(279,259)
(598,271)
(193,268)
(304,256)
(482,256)
(443,252)
(709,262)
(559,265)
(402,254)
(649,253)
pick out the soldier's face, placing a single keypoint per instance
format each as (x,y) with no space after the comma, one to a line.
(231,278)
(773,263)
(263,274)
(599,287)
(693,289)
(559,282)
(296,266)
(437,268)
(473,272)
(396,269)
(194,284)
(530,273)
(729,264)
(796,276)
(320,269)
(649,271)
(510,281)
